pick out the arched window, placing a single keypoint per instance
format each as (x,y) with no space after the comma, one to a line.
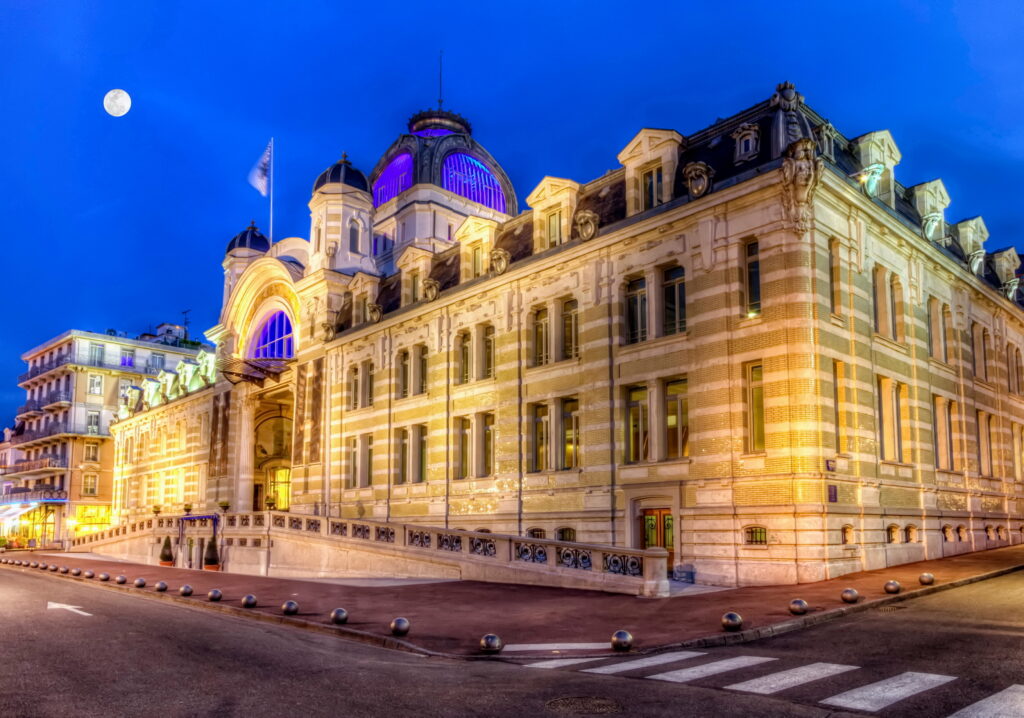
(947,533)
(1001,532)
(990,533)
(536,533)
(274,340)
(565,534)
(910,534)
(961,532)
(395,179)
(469,177)
(893,534)
(353,236)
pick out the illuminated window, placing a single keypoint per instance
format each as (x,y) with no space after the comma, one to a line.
(275,338)
(677,422)
(127,357)
(636,311)
(834,278)
(488,447)
(421,379)
(752,277)
(893,534)
(92,452)
(421,453)
(488,349)
(638,444)
(90,484)
(554,228)
(540,337)
(570,433)
(673,289)
(395,179)
(462,447)
(893,418)
(469,177)
(403,374)
(570,329)
(755,408)
(541,432)
(403,456)
(95,384)
(463,352)
(755,536)
(536,533)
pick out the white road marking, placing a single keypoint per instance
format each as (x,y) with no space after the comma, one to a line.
(561,662)
(1008,703)
(623,666)
(557,646)
(73,609)
(776,682)
(710,669)
(876,696)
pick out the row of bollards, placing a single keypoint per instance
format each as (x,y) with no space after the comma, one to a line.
(733,621)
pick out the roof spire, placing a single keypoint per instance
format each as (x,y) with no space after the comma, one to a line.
(440,78)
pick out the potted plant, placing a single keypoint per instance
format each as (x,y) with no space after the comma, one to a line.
(224,506)
(187,508)
(211,559)
(156,509)
(166,554)
(271,503)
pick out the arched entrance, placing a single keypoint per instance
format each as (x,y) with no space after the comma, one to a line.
(272,447)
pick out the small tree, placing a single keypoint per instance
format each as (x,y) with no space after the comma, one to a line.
(210,556)
(166,554)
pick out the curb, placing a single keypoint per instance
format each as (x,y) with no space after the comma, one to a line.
(717,639)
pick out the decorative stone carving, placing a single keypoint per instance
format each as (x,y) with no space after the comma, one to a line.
(1010,288)
(931,226)
(500,259)
(788,124)
(431,288)
(374,312)
(870,177)
(977,262)
(698,177)
(747,144)
(801,172)
(328,330)
(586,224)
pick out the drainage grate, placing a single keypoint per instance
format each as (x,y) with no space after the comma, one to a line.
(891,609)
(583,706)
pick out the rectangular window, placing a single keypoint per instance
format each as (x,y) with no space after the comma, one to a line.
(540,337)
(478,261)
(839,403)
(554,228)
(570,329)
(636,311)
(892,422)
(96,384)
(540,437)
(123,387)
(92,423)
(755,408)
(128,357)
(488,369)
(156,361)
(464,353)
(638,443)
(403,456)
(421,453)
(414,286)
(756,536)
(90,484)
(92,452)
(351,451)
(677,422)
(462,447)
(422,379)
(403,374)
(673,289)
(353,389)
(488,439)
(834,278)
(652,186)
(752,276)
(570,433)
(368,383)
(96,354)
(984,444)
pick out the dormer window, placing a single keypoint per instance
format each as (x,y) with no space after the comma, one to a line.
(477,260)
(746,142)
(554,228)
(414,286)
(651,185)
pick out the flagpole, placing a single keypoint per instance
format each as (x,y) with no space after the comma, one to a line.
(271,190)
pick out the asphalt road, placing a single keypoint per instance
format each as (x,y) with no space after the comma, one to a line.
(134,656)
(945,653)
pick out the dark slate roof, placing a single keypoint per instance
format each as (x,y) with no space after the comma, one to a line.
(342,172)
(516,237)
(446,268)
(389,295)
(249,238)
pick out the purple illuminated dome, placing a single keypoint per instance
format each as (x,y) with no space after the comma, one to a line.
(467,176)
(395,179)
(274,338)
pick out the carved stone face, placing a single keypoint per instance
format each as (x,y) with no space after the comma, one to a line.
(698,178)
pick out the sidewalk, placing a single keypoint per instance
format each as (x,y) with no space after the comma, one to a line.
(451,616)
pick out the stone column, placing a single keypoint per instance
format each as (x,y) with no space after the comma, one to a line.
(242,500)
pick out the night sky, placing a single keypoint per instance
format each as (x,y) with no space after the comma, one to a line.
(122,222)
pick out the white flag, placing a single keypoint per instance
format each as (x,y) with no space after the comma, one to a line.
(259,175)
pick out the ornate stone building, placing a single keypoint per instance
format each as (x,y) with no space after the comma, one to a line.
(750,345)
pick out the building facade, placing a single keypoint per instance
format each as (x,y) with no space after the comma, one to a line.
(750,345)
(56,463)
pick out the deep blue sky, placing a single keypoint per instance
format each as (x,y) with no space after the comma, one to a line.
(122,222)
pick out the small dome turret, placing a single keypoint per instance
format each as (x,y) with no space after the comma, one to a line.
(342,172)
(249,238)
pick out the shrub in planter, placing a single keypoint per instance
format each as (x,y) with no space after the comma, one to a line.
(211,559)
(166,554)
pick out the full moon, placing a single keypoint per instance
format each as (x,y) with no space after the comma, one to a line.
(117,103)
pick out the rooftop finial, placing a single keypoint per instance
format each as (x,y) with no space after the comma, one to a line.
(440,78)
(344,158)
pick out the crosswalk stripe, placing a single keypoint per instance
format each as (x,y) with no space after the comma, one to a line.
(623,666)
(557,646)
(876,696)
(775,682)
(1008,703)
(562,662)
(710,669)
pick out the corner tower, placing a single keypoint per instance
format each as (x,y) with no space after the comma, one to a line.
(340,233)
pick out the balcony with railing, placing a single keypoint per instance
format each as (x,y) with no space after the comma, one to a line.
(48,495)
(56,399)
(57,428)
(89,361)
(29,408)
(35,466)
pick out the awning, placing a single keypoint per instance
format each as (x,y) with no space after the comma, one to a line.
(7,513)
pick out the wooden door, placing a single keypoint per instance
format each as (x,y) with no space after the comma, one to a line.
(659,530)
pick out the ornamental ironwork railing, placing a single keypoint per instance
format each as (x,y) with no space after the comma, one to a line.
(25,497)
(46,462)
(55,428)
(85,360)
